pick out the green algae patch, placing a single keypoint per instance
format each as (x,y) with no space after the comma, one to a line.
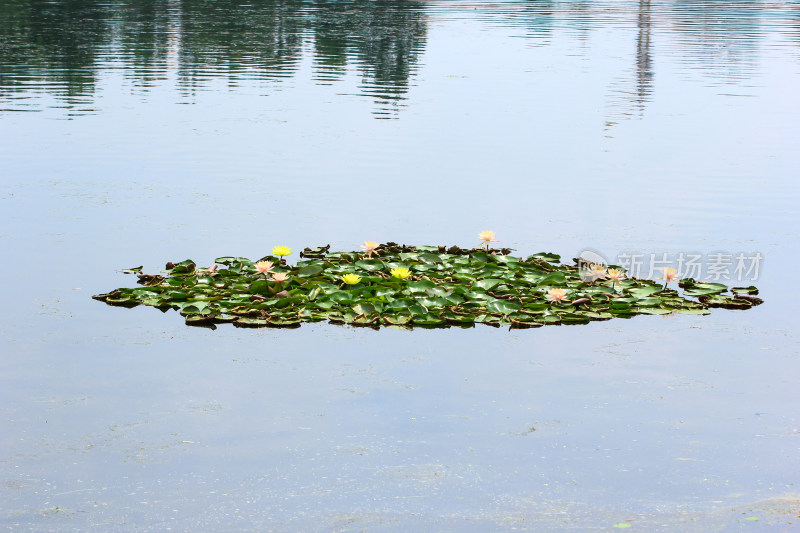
(415,286)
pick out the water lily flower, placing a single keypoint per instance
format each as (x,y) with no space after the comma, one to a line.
(369,247)
(556,295)
(670,274)
(280,276)
(210,271)
(594,272)
(351,279)
(281,251)
(264,267)
(400,273)
(614,274)
(487,237)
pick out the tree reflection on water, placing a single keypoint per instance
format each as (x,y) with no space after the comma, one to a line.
(62,48)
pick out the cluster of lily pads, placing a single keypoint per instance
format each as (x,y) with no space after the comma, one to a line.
(424,286)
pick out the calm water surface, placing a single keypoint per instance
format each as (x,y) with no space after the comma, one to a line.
(134,133)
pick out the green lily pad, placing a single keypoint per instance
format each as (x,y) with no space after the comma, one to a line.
(417,310)
(370,264)
(420,285)
(397,320)
(431,258)
(487,284)
(643,292)
(364,308)
(549,257)
(503,306)
(310,270)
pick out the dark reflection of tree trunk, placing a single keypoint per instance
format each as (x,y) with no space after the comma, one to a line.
(173,35)
(627,98)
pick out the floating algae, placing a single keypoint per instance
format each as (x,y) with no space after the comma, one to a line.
(421,286)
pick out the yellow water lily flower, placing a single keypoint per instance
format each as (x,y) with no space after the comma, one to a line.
(351,279)
(556,295)
(281,251)
(487,237)
(400,273)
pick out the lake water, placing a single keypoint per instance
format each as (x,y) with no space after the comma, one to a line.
(135,133)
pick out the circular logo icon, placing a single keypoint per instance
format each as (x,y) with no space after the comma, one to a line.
(591,265)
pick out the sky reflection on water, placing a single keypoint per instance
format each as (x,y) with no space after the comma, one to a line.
(137,133)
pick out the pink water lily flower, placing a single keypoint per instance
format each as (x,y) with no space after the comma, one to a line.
(264,267)
(369,247)
(487,237)
(670,274)
(615,275)
(556,295)
(593,273)
(210,271)
(280,276)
